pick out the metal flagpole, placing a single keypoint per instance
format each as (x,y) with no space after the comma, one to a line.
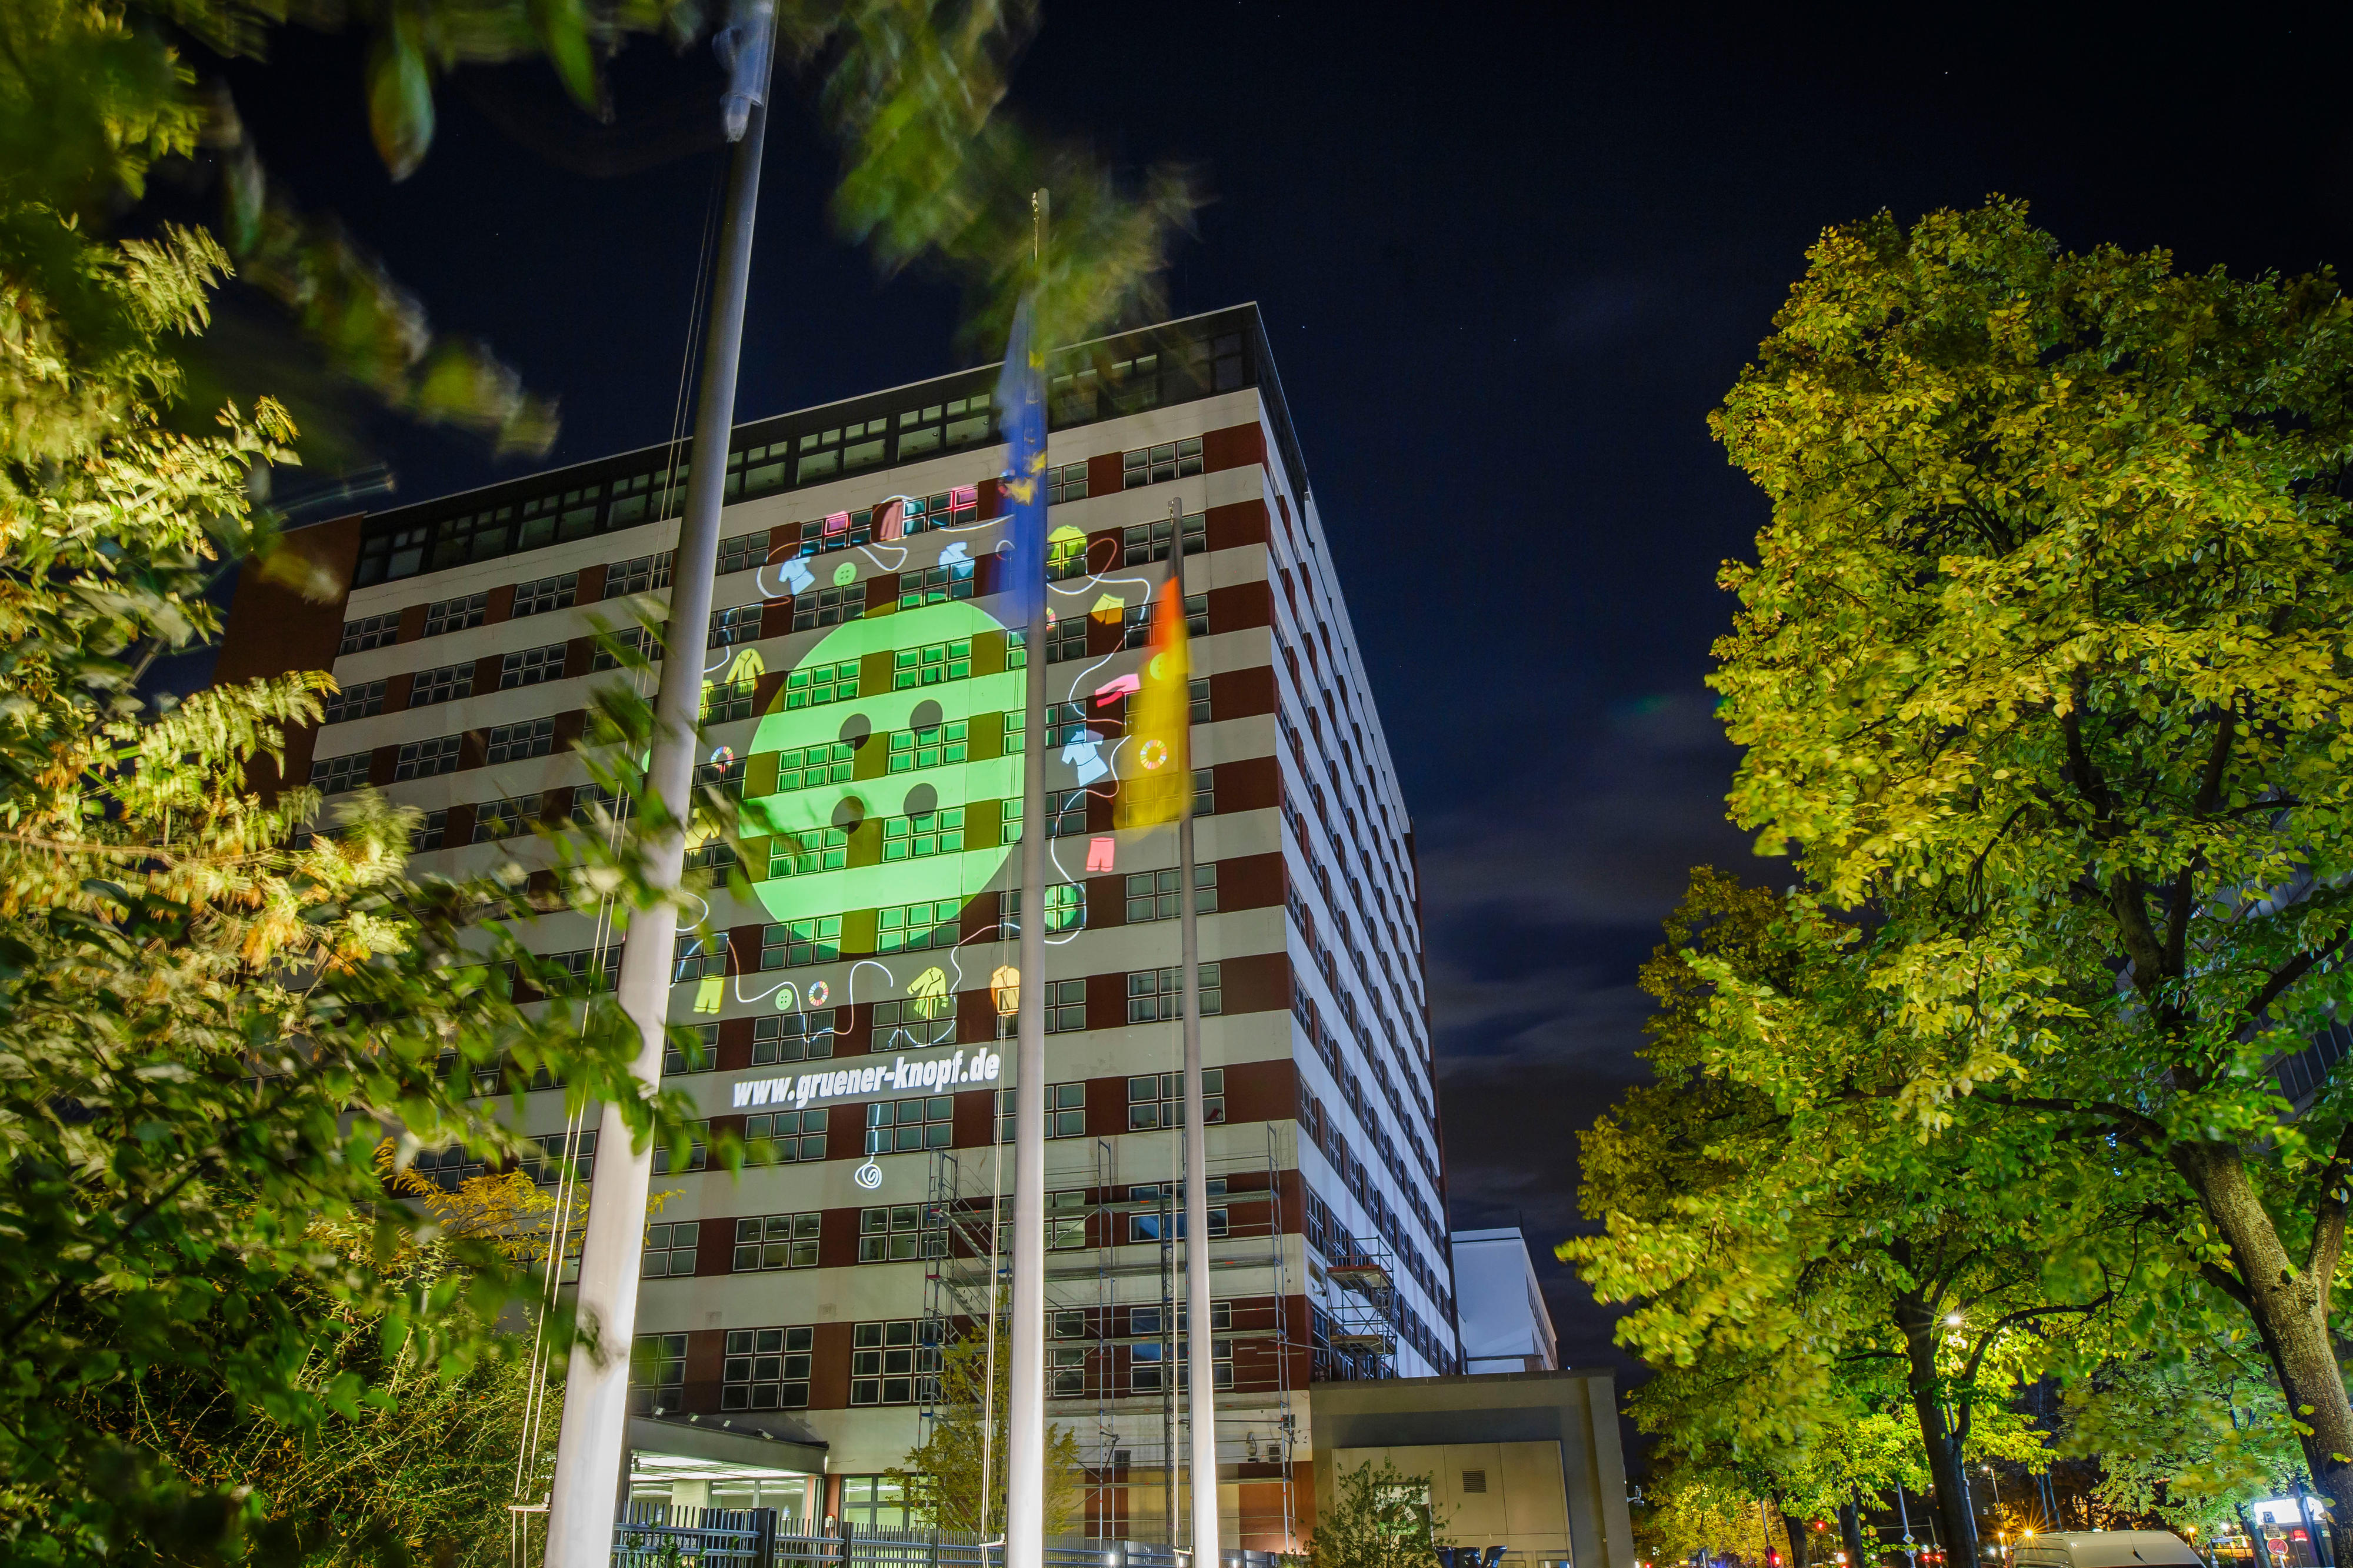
(1200,1347)
(1024,1472)
(591,1443)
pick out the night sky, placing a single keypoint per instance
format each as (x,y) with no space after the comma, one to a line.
(1509,256)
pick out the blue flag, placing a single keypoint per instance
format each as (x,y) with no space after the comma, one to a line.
(1021,414)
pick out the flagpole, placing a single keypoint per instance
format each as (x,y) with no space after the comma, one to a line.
(592,1443)
(1025,1474)
(1200,1346)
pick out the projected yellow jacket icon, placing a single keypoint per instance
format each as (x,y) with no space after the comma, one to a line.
(882,789)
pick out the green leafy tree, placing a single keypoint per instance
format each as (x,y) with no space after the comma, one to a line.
(940,1475)
(1805,1251)
(2043,655)
(1376,1517)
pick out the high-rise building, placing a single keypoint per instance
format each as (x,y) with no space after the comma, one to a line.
(863,701)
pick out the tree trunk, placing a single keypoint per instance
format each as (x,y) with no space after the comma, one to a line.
(1917,1320)
(2290,1309)
(1851,1531)
(1800,1556)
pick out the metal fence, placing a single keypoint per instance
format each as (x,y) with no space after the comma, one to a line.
(656,1536)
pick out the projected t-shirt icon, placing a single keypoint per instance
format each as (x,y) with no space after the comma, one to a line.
(886,782)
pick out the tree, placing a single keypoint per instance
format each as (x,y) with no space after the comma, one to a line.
(940,1475)
(1802,1255)
(2043,655)
(1377,1517)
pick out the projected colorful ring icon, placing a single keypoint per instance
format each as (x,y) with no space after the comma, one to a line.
(1153,753)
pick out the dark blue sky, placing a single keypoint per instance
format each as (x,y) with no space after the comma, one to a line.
(1509,257)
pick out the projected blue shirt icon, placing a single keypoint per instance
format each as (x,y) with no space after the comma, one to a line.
(1083,752)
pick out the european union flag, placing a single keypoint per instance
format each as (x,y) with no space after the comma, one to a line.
(1021,414)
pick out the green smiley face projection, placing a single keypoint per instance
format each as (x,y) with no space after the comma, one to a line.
(882,777)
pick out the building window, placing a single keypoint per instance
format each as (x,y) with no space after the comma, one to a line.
(1158,1099)
(657,1374)
(430,832)
(542,594)
(1066,482)
(827,762)
(793,1037)
(1066,812)
(1066,1371)
(594,805)
(698,1152)
(699,1054)
(913,750)
(333,775)
(912,928)
(1065,639)
(645,642)
(713,854)
(447,684)
(641,575)
(427,759)
(1152,895)
(815,685)
(895,1233)
(1149,541)
(776,1241)
(457,614)
(530,666)
(698,956)
(811,850)
(1148,1227)
(743,552)
(829,606)
(792,943)
(1205,793)
(872,1503)
(1066,907)
(370,631)
(1066,1111)
(514,742)
(930,663)
(892,1364)
(1154,464)
(1135,623)
(913,1025)
(736,623)
(909,1126)
(1200,694)
(1156,995)
(1065,1228)
(590,970)
(935,584)
(509,818)
(766,1369)
(669,1251)
(924,835)
(783,1137)
(949,508)
(362,701)
(726,700)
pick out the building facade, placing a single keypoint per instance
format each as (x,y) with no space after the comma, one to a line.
(1504,1323)
(849,1010)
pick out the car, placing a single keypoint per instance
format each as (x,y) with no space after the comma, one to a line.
(2105,1549)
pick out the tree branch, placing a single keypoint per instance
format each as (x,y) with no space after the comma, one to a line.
(2288,975)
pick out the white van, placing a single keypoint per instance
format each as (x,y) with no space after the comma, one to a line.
(2105,1549)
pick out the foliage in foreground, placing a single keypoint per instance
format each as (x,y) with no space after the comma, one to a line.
(1377,1517)
(942,1475)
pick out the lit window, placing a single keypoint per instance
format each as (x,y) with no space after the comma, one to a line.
(792,943)
(911,750)
(808,852)
(935,584)
(815,685)
(930,663)
(827,762)
(912,928)
(1066,907)
(726,701)
(924,834)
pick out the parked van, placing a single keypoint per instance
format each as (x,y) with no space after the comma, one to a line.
(2105,1549)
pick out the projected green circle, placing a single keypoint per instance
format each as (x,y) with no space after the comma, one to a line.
(882,775)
